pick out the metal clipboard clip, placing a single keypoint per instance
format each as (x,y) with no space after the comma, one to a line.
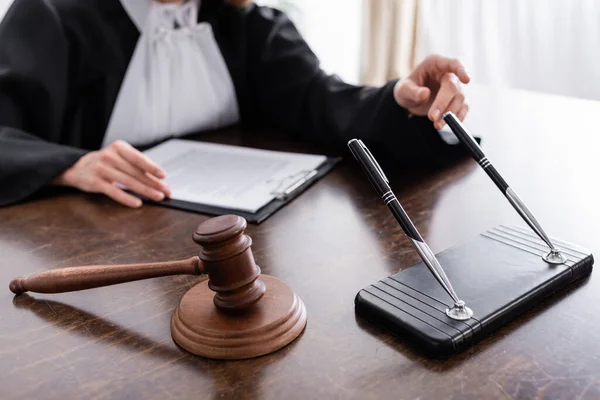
(299,179)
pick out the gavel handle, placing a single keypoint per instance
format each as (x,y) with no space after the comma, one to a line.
(79,278)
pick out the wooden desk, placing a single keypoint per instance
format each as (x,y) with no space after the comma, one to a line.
(115,342)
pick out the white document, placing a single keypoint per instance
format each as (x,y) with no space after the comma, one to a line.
(233,177)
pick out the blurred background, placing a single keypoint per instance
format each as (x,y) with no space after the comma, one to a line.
(550,46)
(539,45)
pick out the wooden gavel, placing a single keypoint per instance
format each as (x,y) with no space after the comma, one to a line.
(226,257)
(233,275)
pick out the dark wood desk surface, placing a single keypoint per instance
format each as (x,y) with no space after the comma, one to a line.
(336,238)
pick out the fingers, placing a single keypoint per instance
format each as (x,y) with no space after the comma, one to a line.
(449,88)
(409,94)
(156,183)
(449,98)
(463,111)
(463,75)
(124,166)
(117,194)
(112,174)
(97,171)
(444,65)
(455,106)
(136,158)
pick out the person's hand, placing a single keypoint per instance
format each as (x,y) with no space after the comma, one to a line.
(98,171)
(433,88)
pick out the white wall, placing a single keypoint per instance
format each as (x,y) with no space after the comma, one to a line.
(542,45)
(4,4)
(332,28)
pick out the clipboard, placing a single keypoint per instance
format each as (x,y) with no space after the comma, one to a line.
(285,194)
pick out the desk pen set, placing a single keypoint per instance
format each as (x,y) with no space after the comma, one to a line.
(240,313)
(476,286)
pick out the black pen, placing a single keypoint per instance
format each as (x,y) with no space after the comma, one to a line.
(381,184)
(554,256)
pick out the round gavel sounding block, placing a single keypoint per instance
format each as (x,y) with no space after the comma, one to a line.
(250,314)
(238,313)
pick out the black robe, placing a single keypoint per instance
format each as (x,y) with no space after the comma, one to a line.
(62,63)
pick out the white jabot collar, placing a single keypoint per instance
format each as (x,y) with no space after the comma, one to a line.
(139,10)
(177,81)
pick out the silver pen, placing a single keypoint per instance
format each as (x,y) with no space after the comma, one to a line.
(554,256)
(381,184)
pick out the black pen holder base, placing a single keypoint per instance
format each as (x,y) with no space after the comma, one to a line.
(500,274)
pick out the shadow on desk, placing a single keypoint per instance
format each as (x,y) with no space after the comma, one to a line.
(76,321)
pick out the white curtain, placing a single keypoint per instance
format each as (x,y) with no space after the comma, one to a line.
(550,46)
(390,39)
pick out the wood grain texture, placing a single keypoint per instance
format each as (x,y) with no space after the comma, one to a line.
(336,238)
(227,258)
(222,318)
(272,323)
(71,279)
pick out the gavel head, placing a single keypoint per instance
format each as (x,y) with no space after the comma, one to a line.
(227,259)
